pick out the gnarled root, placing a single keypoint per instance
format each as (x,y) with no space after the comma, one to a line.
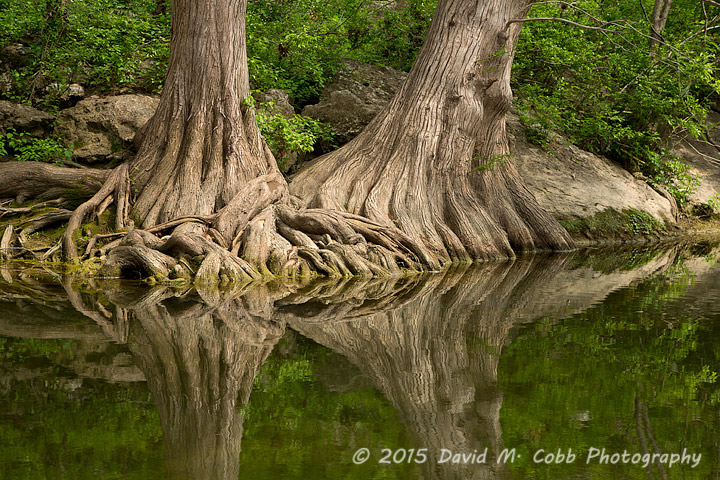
(141,254)
(286,241)
(278,241)
(117,184)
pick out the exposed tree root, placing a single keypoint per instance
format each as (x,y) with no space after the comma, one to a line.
(117,183)
(5,243)
(277,241)
(257,234)
(23,181)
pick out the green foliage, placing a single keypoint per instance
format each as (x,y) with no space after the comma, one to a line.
(25,148)
(288,136)
(488,164)
(609,93)
(391,35)
(299,45)
(103,44)
(296,45)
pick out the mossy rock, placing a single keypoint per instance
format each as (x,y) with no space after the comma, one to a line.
(614,224)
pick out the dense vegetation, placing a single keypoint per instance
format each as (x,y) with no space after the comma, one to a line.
(613,91)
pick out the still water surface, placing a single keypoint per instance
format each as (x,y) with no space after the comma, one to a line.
(563,355)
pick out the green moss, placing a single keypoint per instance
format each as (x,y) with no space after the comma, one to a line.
(611,223)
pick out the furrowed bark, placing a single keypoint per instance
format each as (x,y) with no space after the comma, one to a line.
(435,162)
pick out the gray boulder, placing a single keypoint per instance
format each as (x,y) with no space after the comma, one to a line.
(571,183)
(24,118)
(276,101)
(98,128)
(353,99)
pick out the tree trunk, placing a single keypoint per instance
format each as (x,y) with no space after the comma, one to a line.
(435,162)
(204,171)
(203,144)
(661,12)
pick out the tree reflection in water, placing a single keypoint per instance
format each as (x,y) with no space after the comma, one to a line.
(430,344)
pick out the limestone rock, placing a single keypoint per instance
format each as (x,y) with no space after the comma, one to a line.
(24,118)
(279,100)
(573,183)
(353,99)
(96,128)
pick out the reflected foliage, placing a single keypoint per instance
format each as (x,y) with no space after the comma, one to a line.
(642,371)
(287,381)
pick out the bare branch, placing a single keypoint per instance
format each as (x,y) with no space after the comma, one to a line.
(569,5)
(601,28)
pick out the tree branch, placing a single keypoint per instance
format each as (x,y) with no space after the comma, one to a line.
(601,28)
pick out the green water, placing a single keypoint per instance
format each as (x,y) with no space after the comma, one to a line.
(504,363)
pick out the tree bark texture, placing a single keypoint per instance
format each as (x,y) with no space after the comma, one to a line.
(203,144)
(205,174)
(435,162)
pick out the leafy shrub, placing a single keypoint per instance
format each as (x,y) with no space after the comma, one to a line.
(289,136)
(609,94)
(27,148)
(297,45)
(391,35)
(105,44)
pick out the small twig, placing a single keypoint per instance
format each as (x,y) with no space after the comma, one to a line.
(45,220)
(5,242)
(23,210)
(70,163)
(51,251)
(104,205)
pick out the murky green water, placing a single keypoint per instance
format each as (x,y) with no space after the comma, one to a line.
(504,363)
